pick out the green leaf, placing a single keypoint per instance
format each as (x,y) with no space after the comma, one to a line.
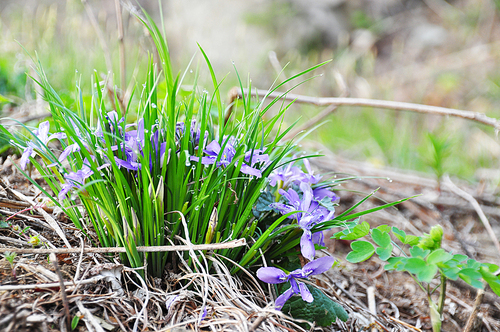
(74,322)
(438,256)
(323,310)
(401,235)
(425,272)
(471,276)
(381,238)
(451,272)
(3,224)
(491,267)
(411,240)
(384,252)
(4,99)
(355,233)
(328,204)
(361,251)
(415,265)
(460,258)
(490,278)
(395,263)
(405,239)
(473,264)
(419,252)
(384,228)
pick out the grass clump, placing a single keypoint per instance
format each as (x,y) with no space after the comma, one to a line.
(178,173)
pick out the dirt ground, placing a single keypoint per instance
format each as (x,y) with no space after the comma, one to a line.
(400,305)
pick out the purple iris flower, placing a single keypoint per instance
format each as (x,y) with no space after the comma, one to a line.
(274,275)
(311,214)
(42,133)
(322,192)
(214,152)
(74,179)
(309,177)
(292,174)
(72,147)
(287,174)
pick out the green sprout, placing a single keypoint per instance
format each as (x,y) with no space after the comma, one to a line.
(423,258)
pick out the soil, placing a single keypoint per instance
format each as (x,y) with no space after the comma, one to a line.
(400,305)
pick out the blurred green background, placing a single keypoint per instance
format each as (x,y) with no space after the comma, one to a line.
(435,52)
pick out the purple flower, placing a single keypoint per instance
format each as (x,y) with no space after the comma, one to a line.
(287,174)
(309,177)
(225,157)
(74,179)
(322,192)
(311,214)
(274,275)
(42,134)
(293,174)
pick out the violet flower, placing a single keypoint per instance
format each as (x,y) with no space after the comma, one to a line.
(286,174)
(74,179)
(274,275)
(42,134)
(225,157)
(311,214)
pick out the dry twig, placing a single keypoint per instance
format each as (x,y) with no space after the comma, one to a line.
(385,104)
(476,206)
(215,246)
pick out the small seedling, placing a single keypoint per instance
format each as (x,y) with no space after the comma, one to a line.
(10,256)
(424,259)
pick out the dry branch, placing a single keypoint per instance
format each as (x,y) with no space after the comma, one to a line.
(385,104)
(215,246)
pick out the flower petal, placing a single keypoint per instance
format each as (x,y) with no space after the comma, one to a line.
(64,191)
(132,166)
(272,275)
(280,301)
(69,149)
(307,246)
(213,148)
(250,171)
(319,238)
(56,136)
(26,157)
(318,266)
(305,293)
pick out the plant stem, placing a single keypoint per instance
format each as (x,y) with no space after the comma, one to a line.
(442,294)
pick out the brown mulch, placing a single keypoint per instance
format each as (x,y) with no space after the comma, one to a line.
(102,306)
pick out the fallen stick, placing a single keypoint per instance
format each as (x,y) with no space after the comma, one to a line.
(214,246)
(386,104)
(51,285)
(453,187)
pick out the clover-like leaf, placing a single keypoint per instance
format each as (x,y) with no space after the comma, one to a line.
(438,256)
(361,251)
(401,235)
(355,233)
(384,252)
(450,272)
(490,278)
(460,258)
(384,228)
(428,273)
(419,252)
(472,277)
(381,238)
(473,264)
(395,263)
(424,271)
